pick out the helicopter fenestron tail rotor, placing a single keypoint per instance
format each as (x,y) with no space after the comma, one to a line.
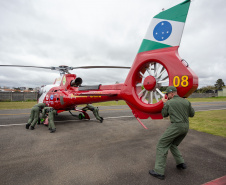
(65,69)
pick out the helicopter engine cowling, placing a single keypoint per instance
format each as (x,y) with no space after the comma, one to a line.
(76,82)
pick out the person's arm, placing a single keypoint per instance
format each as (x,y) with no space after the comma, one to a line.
(43,113)
(165,107)
(90,107)
(191,111)
(85,108)
(165,112)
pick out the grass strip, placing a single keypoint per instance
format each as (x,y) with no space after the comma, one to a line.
(211,99)
(211,122)
(17,105)
(29,104)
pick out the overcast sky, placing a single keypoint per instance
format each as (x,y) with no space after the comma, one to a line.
(101,32)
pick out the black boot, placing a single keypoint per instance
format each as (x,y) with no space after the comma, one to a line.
(155,174)
(101,119)
(38,121)
(32,128)
(27,126)
(53,130)
(182,166)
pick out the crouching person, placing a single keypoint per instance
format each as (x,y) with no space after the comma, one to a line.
(50,113)
(95,111)
(34,116)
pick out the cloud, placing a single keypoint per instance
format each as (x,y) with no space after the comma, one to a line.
(86,32)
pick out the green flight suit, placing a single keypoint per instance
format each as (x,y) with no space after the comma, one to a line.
(95,111)
(34,116)
(179,110)
(51,114)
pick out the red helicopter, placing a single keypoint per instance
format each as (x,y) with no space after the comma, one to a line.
(157,64)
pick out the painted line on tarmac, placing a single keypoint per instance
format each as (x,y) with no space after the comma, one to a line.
(13,125)
(19,124)
(218,181)
(12,114)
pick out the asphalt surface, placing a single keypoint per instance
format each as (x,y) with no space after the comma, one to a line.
(117,151)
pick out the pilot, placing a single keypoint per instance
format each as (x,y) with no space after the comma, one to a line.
(34,116)
(95,111)
(50,113)
(179,110)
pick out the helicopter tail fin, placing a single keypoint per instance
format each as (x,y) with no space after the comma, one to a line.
(166,28)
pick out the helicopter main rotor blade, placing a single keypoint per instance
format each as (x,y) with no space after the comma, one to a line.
(25,66)
(66,67)
(90,67)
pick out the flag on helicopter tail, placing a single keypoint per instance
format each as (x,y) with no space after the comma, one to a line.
(166,28)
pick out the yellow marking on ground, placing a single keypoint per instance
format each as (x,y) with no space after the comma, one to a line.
(12,114)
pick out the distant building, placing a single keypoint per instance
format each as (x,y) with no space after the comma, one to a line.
(36,88)
(222,92)
(18,89)
(22,88)
(6,90)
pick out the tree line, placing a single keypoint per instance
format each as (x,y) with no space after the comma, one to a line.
(207,89)
(210,89)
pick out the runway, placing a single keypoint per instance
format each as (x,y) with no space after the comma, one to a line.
(117,151)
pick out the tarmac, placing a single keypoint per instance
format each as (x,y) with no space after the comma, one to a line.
(118,151)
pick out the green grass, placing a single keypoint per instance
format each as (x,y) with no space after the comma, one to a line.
(212,122)
(17,105)
(211,99)
(110,103)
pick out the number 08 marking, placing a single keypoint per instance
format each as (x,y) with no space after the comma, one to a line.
(183,81)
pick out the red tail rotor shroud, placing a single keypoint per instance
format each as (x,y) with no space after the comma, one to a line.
(179,74)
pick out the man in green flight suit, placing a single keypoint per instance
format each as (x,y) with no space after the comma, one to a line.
(95,111)
(179,110)
(34,116)
(51,113)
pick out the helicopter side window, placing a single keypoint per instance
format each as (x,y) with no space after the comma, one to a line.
(40,92)
(55,91)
